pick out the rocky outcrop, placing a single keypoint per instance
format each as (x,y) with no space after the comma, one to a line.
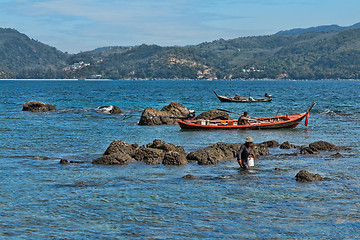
(223,151)
(109,109)
(259,150)
(325,146)
(157,152)
(167,115)
(167,147)
(214,115)
(174,158)
(286,145)
(121,147)
(308,150)
(271,144)
(37,106)
(114,159)
(151,156)
(305,176)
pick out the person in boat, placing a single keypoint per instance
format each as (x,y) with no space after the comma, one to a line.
(244,119)
(244,153)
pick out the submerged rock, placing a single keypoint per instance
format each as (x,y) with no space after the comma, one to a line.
(305,176)
(336,155)
(64,161)
(189,176)
(111,109)
(37,106)
(167,115)
(214,115)
(325,146)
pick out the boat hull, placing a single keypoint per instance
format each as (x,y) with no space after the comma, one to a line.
(242,99)
(293,121)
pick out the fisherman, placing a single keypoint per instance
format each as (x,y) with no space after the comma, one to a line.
(244,153)
(244,119)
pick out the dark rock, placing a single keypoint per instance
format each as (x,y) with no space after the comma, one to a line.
(174,158)
(114,159)
(305,176)
(214,115)
(110,109)
(286,145)
(336,155)
(294,154)
(176,109)
(189,176)
(325,146)
(150,156)
(168,115)
(77,161)
(259,150)
(280,169)
(120,147)
(224,151)
(206,156)
(308,150)
(271,144)
(40,158)
(167,147)
(37,106)
(63,161)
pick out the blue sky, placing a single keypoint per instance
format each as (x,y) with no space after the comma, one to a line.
(81,25)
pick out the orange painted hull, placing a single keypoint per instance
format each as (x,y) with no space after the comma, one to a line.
(289,121)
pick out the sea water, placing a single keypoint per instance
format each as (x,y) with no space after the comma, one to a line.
(42,199)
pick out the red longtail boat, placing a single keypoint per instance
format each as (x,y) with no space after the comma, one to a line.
(285,121)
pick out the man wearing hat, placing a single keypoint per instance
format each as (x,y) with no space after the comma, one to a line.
(244,153)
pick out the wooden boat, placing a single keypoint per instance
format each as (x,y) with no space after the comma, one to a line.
(242,99)
(285,121)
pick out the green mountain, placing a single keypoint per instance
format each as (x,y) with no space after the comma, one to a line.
(22,57)
(325,28)
(326,54)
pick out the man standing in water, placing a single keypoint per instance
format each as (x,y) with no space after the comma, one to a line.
(244,153)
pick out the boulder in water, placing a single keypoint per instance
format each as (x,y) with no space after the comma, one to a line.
(37,106)
(271,144)
(111,109)
(325,146)
(168,115)
(214,115)
(305,176)
(114,159)
(286,145)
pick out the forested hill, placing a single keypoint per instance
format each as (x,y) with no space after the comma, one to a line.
(333,54)
(25,57)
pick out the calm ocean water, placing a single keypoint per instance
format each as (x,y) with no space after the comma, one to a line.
(41,199)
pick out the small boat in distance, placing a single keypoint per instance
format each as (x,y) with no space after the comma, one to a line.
(285,121)
(242,99)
